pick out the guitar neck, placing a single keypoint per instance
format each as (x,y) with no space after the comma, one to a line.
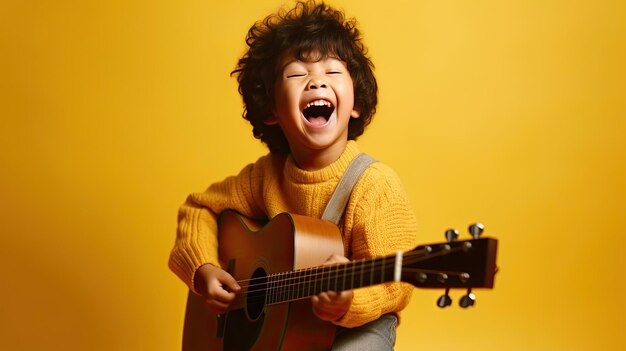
(304,283)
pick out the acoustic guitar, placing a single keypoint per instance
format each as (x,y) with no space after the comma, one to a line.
(278,266)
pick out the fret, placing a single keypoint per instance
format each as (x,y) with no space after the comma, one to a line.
(315,279)
(382,270)
(301,281)
(276,288)
(335,287)
(322,281)
(283,290)
(287,280)
(288,285)
(343,284)
(299,285)
(296,285)
(270,290)
(293,285)
(352,275)
(372,272)
(327,279)
(361,275)
(306,282)
(319,277)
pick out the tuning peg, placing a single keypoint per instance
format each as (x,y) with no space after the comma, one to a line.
(476,229)
(444,300)
(468,300)
(451,235)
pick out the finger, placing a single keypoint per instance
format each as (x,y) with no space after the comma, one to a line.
(324,315)
(334,258)
(321,302)
(228,281)
(216,291)
(332,295)
(216,306)
(324,299)
(344,296)
(328,312)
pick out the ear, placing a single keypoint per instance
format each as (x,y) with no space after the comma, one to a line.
(355,113)
(271,120)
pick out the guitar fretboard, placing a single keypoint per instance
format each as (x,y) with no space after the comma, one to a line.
(304,283)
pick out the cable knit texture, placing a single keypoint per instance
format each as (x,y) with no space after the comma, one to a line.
(378,219)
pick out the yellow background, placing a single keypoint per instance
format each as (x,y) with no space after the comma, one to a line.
(511,113)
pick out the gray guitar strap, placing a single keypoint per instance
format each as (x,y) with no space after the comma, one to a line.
(338,201)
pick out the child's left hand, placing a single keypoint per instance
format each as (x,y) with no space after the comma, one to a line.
(331,305)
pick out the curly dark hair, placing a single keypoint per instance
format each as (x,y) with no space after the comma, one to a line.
(309,27)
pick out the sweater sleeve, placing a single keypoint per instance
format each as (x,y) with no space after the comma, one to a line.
(382,222)
(196,236)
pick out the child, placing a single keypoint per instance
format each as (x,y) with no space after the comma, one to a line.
(309,92)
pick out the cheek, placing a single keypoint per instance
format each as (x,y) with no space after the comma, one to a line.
(347,94)
(285,98)
(347,85)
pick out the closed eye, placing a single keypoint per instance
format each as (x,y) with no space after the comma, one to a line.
(334,72)
(295,75)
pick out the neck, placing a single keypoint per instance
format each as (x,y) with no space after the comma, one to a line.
(316,159)
(304,283)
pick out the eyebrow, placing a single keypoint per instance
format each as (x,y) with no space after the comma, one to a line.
(282,68)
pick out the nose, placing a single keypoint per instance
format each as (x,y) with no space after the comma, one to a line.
(317,83)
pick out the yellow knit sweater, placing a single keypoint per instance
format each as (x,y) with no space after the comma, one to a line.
(378,219)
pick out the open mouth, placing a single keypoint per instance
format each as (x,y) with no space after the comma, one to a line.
(318,112)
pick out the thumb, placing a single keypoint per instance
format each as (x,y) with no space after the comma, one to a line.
(229,281)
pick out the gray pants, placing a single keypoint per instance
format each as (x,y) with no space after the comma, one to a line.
(377,335)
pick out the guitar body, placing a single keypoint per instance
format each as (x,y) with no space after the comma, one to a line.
(251,251)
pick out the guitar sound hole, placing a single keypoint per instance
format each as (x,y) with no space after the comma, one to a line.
(257,291)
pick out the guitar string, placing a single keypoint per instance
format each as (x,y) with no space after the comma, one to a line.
(285,288)
(408,258)
(288,294)
(295,284)
(285,295)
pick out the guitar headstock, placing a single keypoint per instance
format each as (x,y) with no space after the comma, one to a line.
(455,263)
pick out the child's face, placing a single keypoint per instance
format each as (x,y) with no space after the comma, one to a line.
(314,102)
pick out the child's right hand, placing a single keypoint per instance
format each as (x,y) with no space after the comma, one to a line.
(210,282)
